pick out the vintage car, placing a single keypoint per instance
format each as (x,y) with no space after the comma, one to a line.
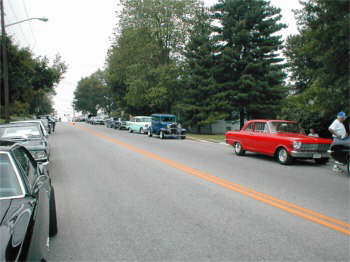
(165,125)
(340,152)
(27,206)
(30,136)
(121,124)
(282,139)
(139,124)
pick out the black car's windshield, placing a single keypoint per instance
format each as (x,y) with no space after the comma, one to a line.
(9,185)
(168,119)
(286,127)
(23,132)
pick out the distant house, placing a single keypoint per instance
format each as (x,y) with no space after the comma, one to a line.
(219,127)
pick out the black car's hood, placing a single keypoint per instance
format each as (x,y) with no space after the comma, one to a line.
(4,206)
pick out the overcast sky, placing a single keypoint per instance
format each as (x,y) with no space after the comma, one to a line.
(80,31)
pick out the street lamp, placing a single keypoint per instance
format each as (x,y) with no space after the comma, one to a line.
(44,19)
(4,67)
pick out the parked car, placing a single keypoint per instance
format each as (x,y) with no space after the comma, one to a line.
(27,206)
(139,124)
(165,125)
(98,120)
(46,124)
(37,122)
(121,124)
(51,122)
(282,139)
(30,136)
(110,122)
(340,152)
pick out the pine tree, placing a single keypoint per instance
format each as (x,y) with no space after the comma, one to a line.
(249,72)
(198,105)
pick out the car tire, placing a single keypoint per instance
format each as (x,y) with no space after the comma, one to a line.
(53,214)
(161,135)
(183,137)
(130,130)
(239,151)
(322,161)
(283,156)
(149,133)
(141,130)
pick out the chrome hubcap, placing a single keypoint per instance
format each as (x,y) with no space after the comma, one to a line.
(238,147)
(282,155)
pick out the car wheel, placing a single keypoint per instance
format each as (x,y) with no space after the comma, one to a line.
(183,137)
(141,130)
(239,151)
(53,215)
(130,130)
(283,156)
(149,133)
(348,165)
(321,161)
(161,135)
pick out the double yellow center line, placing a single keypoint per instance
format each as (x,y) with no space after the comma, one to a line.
(305,213)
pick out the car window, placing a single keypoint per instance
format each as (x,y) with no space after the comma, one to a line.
(168,119)
(9,184)
(156,118)
(250,127)
(26,165)
(286,127)
(260,127)
(20,132)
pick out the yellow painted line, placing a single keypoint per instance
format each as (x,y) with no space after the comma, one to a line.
(305,213)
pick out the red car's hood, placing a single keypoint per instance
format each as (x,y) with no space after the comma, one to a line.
(303,138)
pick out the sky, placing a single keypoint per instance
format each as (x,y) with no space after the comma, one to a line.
(81,32)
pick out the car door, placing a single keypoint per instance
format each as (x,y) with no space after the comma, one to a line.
(261,137)
(38,186)
(247,137)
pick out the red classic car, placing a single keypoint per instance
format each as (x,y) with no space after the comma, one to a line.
(282,139)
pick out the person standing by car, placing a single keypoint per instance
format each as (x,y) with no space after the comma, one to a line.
(338,131)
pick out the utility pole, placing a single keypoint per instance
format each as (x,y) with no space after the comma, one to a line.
(5,80)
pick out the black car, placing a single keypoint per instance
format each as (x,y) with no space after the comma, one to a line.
(340,151)
(27,205)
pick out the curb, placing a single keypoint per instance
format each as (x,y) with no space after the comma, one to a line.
(205,141)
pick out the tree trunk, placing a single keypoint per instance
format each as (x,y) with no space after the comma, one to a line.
(241,118)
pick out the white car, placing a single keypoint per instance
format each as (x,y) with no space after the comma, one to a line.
(139,124)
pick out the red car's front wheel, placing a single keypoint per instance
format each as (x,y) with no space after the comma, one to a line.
(284,157)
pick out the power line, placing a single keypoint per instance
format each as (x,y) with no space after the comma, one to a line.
(30,26)
(21,28)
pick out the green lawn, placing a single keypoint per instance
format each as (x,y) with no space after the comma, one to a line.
(210,138)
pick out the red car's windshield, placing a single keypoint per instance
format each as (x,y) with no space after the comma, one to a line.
(286,127)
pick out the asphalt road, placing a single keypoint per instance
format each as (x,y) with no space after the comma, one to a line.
(123,196)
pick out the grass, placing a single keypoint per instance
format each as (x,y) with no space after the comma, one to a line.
(210,138)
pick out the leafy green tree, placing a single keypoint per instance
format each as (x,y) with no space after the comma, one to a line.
(32,80)
(92,94)
(142,64)
(249,71)
(318,59)
(198,105)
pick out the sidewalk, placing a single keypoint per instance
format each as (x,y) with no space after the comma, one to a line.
(207,138)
